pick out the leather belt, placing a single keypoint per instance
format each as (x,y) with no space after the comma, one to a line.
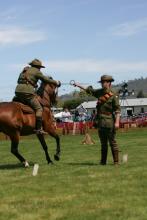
(106,113)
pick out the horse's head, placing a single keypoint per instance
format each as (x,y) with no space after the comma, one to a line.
(48,92)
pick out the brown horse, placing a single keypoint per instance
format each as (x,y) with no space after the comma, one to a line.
(17,119)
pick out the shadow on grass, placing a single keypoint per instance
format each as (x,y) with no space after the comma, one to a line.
(82,164)
(90,164)
(14,166)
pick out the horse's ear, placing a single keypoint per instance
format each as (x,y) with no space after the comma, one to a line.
(49,77)
(59,84)
(40,89)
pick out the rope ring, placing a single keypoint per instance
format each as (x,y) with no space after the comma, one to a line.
(72,82)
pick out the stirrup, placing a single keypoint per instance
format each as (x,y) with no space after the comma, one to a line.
(40,131)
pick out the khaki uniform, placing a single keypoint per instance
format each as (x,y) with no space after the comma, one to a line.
(107,106)
(26,89)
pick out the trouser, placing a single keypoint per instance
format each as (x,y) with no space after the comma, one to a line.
(74,128)
(82,127)
(32,101)
(65,128)
(107,135)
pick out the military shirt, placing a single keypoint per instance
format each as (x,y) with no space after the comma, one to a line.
(33,75)
(105,111)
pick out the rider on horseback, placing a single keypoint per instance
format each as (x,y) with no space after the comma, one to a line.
(25,90)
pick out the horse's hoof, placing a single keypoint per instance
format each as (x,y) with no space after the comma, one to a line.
(50,162)
(56,157)
(26,164)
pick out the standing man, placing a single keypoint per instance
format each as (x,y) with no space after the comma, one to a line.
(108,115)
(66,118)
(82,122)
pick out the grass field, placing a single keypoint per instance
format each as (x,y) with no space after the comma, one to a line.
(77,187)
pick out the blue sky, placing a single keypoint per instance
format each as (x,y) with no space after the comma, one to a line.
(80,39)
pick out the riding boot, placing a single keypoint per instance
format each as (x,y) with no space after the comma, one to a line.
(39,129)
(115,156)
(103,156)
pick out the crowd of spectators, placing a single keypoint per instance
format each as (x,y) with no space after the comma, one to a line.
(76,121)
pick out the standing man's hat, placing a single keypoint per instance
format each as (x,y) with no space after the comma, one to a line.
(36,62)
(106,78)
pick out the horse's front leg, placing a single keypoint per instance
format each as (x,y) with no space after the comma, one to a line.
(45,148)
(58,151)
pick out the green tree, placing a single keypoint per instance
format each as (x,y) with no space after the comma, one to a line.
(140,94)
(72,103)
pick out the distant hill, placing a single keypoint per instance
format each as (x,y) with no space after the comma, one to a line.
(66,96)
(136,85)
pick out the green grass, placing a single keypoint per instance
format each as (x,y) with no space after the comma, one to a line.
(77,187)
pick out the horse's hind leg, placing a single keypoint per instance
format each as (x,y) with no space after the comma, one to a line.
(45,148)
(14,149)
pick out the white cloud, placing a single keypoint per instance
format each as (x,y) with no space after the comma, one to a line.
(102,66)
(18,35)
(130,28)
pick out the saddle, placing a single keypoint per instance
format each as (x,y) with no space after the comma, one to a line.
(24,108)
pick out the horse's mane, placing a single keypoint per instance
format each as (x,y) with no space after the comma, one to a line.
(40,90)
(52,93)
